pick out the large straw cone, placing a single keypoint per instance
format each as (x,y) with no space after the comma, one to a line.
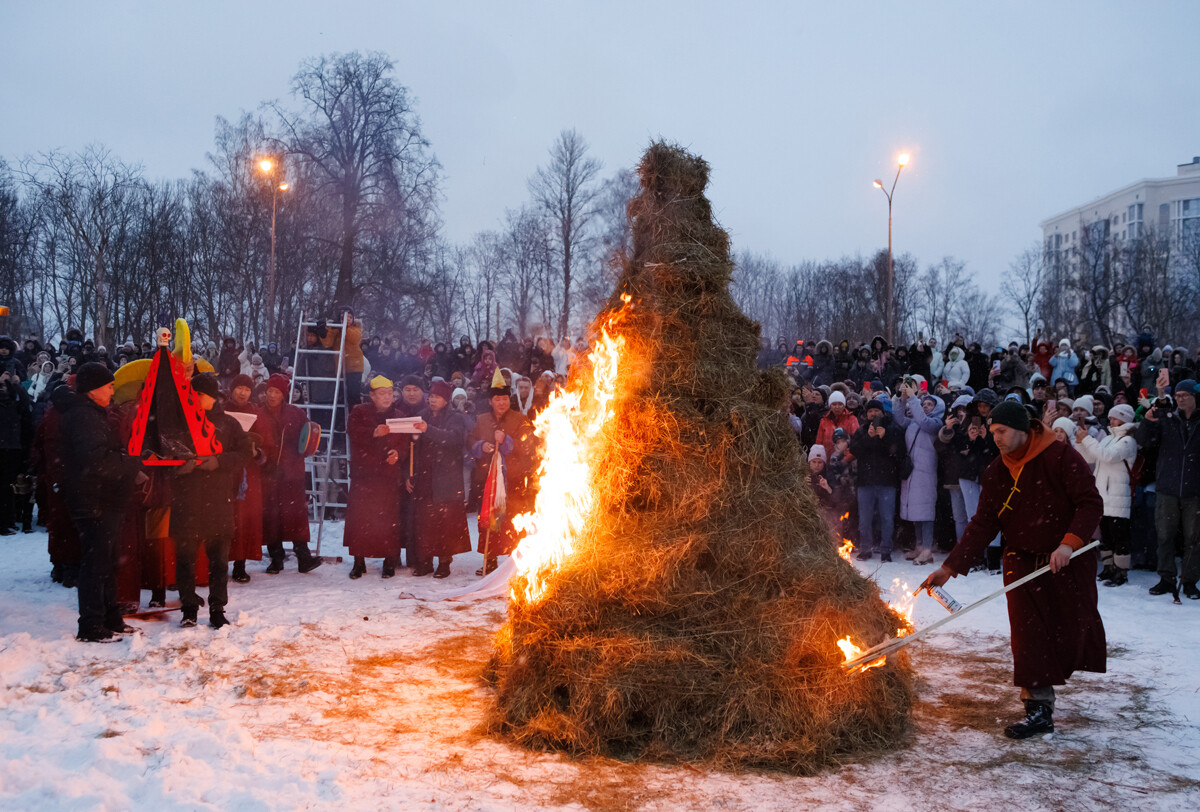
(699,615)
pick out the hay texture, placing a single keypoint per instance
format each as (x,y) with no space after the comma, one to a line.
(698,615)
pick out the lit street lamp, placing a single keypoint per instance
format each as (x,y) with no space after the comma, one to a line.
(890,317)
(268,168)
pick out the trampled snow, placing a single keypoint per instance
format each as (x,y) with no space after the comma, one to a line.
(331,693)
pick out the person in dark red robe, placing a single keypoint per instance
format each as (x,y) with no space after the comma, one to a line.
(248,533)
(376,456)
(437,486)
(511,432)
(1041,495)
(285,504)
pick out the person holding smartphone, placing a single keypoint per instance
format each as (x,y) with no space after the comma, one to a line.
(920,416)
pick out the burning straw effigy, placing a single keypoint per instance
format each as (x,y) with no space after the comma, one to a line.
(679,596)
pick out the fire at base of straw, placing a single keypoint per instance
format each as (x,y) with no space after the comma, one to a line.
(901,602)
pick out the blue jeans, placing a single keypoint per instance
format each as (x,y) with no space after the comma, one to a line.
(872,499)
(970,492)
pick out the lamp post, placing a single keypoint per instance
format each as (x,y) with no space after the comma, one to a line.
(268,167)
(890,317)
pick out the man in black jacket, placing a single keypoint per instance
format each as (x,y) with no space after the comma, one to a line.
(203,505)
(878,446)
(1176,436)
(98,482)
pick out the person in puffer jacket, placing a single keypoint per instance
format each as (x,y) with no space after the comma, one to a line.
(956,372)
(1064,363)
(1113,458)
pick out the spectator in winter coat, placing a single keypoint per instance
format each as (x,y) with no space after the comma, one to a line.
(921,419)
(441,513)
(228,363)
(1113,458)
(878,449)
(952,447)
(838,417)
(99,478)
(1176,437)
(823,369)
(1063,365)
(980,365)
(920,357)
(821,487)
(1096,371)
(1042,353)
(956,373)
(810,417)
(16,432)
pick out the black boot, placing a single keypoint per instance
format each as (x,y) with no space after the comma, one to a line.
(863,555)
(240,576)
(1165,586)
(1190,592)
(189,617)
(1038,719)
(311,563)
(217,619)
(359,569)
(1117,577)
(389,569)
(422,568)
(1106,573)
(488,566)
(275,567)
(56,574)
(443,568)
(158,598)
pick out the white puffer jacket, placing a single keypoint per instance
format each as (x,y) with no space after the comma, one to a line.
(1111,456)
(956,371)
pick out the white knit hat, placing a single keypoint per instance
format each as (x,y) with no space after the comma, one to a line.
(837,397)
(817,452)
(1123,412)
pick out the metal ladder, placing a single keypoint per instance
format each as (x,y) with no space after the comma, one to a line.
(329,467)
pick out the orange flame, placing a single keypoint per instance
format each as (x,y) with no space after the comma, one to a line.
(852,652)
(845,550)
(902,602)
(569,427)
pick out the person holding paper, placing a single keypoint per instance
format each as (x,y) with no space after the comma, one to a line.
(373,521)
(437,488)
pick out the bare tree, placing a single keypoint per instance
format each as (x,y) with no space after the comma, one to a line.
(614,238)
(566,191)
(1022,287)
(525,253)
(359,128)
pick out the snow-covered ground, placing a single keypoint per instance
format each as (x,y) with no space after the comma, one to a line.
(331,693)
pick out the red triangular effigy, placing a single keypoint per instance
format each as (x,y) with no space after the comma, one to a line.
(170,422)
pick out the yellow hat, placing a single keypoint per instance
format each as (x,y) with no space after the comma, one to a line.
(380,382)
(498,380)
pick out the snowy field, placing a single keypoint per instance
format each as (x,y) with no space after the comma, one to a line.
(327,693)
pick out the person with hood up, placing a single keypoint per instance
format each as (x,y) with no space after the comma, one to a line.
(838,417)
(1096,372)
(957,373)
(843,359)
(464,356)
(1113,458)
(1063,365)
(257,371)
(485,369)
(1042,353)
(980,365)
(862,370)
(823,369)
(229,364)
(921,419)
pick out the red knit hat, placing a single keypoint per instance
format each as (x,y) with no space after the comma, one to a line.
(281,382)
(442,389)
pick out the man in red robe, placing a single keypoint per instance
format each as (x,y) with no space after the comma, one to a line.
(373,526)
(285,504)
(1041,495)
(248,532)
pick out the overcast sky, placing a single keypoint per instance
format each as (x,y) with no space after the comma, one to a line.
(1012,111)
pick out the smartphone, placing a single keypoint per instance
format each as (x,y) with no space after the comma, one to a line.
(996,365)
(924,386)
(1051,405)
(1124,368)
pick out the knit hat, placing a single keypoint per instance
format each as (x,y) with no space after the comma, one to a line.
(241,380)
(1064,343)
(1011,414)
(1085,402)
(837,397)
(1124,413)
(817,452)
(840,434)
(91,376)
(457,392)
(874,403)
(1066,424)
(442,390)
(1186,385)
(279,382)
(206,384)
(1068,402)
(411,380)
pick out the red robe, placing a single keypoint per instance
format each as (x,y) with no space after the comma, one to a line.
(285,504)
(373,506)
(1056,627)
(520,469)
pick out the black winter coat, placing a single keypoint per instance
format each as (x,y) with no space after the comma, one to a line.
(439,461)
(1177,442)
(204,503)
(99,471)
(878,458)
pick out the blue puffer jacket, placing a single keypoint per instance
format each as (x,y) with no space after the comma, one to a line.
(1064,366)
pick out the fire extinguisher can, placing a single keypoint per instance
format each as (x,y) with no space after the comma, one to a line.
(943,597)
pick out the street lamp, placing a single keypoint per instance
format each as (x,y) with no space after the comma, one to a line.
(889,318)
(268,167)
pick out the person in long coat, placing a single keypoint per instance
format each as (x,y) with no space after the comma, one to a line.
(373,527)
(921,419)
(511,432)
(285,504)
(248,530)
(1041,495)
(46,456)
(204,508)
(437,488)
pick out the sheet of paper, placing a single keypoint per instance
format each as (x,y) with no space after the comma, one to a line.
(403,425)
